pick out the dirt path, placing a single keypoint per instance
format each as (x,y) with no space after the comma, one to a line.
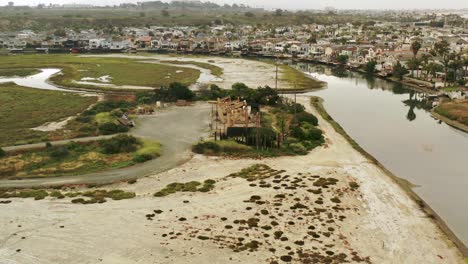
(55,143)
(376,223)
(177,128)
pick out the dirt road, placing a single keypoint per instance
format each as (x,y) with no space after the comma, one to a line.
(177,128)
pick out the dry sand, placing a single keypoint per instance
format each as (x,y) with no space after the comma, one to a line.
(375,223)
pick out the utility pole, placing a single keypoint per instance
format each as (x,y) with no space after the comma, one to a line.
(276,79)
(295,104)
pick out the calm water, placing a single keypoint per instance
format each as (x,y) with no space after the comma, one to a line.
(38,81)
(390,122)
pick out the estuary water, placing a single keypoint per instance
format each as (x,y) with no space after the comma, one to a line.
(394,124)
(38,80)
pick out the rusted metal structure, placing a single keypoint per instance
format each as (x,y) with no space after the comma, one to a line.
(227,114)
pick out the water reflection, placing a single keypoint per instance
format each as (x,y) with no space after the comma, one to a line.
(393,123)
(38,81)
(417,100)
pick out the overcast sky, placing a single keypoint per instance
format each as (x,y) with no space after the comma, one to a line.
(289,4)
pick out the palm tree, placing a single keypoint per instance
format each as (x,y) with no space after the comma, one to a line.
(465,67)
(425,61)
(442,50)
(415,47)
(413,64)
(456,64)
(433,68)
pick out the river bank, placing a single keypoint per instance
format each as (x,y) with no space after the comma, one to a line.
(407,186)
(450,122)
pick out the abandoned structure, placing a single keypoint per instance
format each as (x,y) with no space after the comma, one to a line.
(232,118)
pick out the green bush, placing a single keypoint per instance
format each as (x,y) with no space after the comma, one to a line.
(298,148)
(307,117)
(140,158)
(192,186)
(36,194)
(298,133)
(57,195)
(314,133)
(116,113)
(291,107)
(59,152)
(108,106)
(206,147)
(120,195)
(2,153)
(119,144)
(84,118)
(112,128)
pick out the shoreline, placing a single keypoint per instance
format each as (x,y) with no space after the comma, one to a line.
(450,122)
(406,186)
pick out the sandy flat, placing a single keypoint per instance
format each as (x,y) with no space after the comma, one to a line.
(375,223)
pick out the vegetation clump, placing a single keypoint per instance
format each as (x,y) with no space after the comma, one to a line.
(192,186)
(96,196)
(255,172)
(325,182)
(79,158)
(19,104)
(36,194)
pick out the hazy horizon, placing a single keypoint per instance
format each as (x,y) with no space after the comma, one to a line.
(285,4)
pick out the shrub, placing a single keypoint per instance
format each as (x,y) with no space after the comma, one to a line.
(2,153)
(149,150)
(307,117)
(119,144)
(110,128)
(87,128)
(180,91)
(298,133)
(206,147)
(84,119)
(120,195)
(298,148)
(175,91)
(59,152)
(74,146)
(57,195)
(140,158)
(36,194)
(314,133)
(78,200)
(192,186)
(108,106)
(132,181)
(116,113)
(291,107)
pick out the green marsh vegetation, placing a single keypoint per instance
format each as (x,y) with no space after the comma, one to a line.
(17,72)
(456,111)
(24,108)
(79,158)
(298,79)
(120,70)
